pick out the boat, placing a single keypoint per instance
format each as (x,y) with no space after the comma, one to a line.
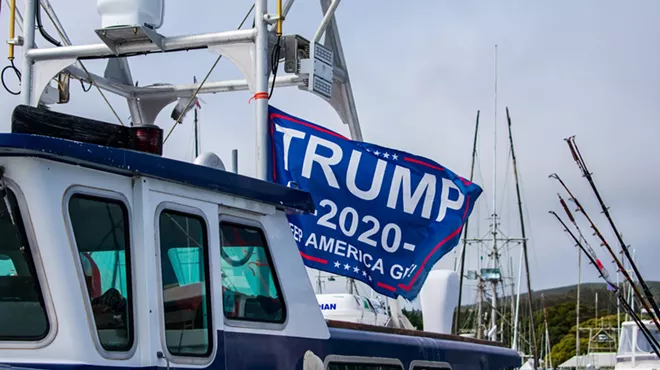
(635,351)
(124,258)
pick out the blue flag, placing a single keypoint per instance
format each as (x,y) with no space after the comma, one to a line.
(383,216)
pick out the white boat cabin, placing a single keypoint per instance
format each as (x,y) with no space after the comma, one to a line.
(635,351)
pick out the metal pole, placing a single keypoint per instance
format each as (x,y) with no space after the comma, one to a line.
(480,288)
(547,333)
(618,312)
(169,44)
(493,313)
(196,127)
(28,44)
(234,160)
(515,320)
(262,72)
(326,20)
(457,323)
(524,245)
(577,311)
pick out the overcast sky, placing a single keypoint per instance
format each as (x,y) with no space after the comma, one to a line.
(420,72)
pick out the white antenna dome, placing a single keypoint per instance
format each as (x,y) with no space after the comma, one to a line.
(210,159)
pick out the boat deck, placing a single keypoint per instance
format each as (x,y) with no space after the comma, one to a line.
(408,332)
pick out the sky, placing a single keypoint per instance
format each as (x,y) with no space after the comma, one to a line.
(420,72)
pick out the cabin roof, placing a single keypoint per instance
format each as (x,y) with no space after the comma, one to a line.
(131,163)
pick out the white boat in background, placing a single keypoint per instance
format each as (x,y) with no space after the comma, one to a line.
(635,351)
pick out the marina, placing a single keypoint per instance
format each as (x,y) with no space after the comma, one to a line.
(331,251)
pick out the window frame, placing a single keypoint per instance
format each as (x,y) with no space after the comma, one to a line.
(194,212)
(120,198)
(37,261)
(385,361)
(245,323)
(440,365)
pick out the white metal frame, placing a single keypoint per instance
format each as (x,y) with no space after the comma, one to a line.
(249,49)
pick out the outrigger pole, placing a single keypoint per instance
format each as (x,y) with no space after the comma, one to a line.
(577,157)
(457,321)
(645,331)
(524,246)
(609,249)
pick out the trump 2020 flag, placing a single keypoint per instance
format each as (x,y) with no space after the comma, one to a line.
(383,216)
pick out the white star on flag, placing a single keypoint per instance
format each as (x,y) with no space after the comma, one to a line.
(395,157)
(377,153)
(355,269)
(369,278)
(364,273)
(386,155)
(337,264)
(347,266)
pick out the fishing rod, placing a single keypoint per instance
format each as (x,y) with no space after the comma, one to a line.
(609,249)
(577,157)
(603,273)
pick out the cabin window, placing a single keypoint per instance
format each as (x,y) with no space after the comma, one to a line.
(186,291)
(22,305)
(250,288)
(361,366)
(100,227)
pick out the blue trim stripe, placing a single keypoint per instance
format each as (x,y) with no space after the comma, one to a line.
(129,163)
(251,351)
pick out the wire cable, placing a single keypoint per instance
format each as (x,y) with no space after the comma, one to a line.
(192,98)
(12,67)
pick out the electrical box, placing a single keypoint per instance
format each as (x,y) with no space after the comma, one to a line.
(314,62)
(319,70)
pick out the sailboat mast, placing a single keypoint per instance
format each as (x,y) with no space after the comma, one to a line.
(493,317)
(524,246)
(457,321)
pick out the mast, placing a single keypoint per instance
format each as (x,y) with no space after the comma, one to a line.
(480,294)
(514,341)
(524,246)
(548,346)
(494,252)
(457,321)
(577,311)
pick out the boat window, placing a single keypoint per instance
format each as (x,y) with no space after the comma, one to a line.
(186,291)
(7,267)
(625,340)
(100,228)
(361,366)
(22,305)
(643,344)
(249,283)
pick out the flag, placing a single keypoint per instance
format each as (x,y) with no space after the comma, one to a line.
(383,216)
